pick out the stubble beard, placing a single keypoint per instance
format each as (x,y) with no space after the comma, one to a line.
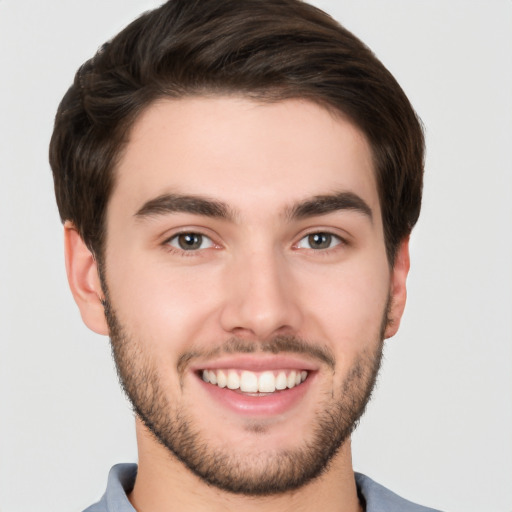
(264,474)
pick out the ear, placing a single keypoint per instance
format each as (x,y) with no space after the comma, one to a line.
(84,280)
(398,288)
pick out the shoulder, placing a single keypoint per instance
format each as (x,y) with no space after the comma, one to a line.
(120,482)
(380,499)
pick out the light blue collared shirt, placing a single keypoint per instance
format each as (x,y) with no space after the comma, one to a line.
(122,478)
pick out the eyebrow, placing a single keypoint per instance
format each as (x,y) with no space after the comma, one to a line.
(199,205)
(329,203)
(174,203)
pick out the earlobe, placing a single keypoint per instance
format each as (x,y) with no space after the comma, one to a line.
(84,281)
(398,288)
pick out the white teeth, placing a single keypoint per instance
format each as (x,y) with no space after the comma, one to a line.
(222,380)
(281,382)
(267,383)
(251,382)
(248,382)
(233,381)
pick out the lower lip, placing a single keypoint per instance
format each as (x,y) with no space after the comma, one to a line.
(267,405)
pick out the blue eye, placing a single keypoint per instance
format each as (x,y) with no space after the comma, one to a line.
(319,241)
(190,242)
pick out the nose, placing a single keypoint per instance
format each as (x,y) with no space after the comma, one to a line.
(261,299)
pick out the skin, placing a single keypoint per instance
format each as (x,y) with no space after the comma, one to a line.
(258,278)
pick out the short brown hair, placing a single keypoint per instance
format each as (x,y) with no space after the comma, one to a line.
(269,50)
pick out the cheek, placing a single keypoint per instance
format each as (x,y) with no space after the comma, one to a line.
(347,304)
(164,305)
(170,307)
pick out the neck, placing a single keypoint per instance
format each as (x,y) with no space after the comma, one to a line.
(165,484)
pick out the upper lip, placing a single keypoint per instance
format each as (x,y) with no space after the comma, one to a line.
(257,363)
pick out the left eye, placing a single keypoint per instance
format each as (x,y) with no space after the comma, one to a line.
(319,241)
(190,241)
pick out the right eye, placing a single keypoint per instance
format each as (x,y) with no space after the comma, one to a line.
(190,241)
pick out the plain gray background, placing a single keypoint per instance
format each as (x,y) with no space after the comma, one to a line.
(439,430)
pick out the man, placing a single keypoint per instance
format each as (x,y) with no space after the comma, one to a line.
(238,182)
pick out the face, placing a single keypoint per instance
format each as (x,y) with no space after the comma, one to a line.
(247,285)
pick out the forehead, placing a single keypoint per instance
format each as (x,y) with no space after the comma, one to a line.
(242,152)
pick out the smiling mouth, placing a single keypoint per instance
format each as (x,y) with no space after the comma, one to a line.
(255,382)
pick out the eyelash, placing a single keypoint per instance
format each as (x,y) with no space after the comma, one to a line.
(188,252)
(332,238)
